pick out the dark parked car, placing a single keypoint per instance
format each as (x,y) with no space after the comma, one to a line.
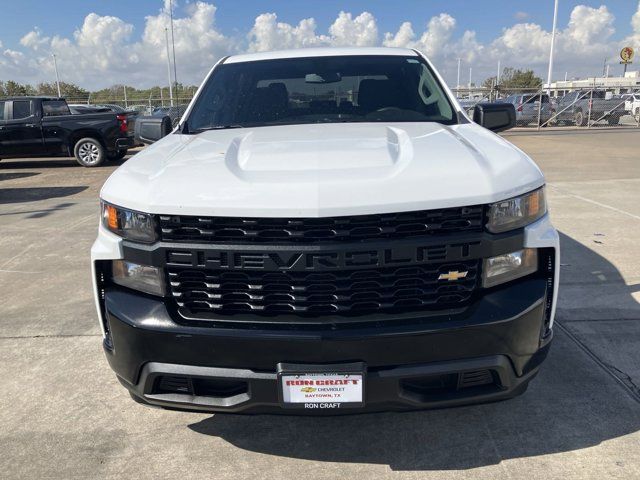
(113,107)
(44,126)
(528,105)
(580,107)
(82,109)
(175,113)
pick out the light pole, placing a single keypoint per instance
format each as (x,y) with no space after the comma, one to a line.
(553,38)
(470,70)
(173,46)
(166,38)
(55,66)
(458,83)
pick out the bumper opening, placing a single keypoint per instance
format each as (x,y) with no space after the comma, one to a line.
(201,387)
(451,385)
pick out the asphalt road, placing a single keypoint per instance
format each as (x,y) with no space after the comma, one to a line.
(63,415)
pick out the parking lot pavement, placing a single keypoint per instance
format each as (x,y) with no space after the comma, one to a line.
(63,414)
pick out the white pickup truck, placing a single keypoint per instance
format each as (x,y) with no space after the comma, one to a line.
(632,104)
(326,231)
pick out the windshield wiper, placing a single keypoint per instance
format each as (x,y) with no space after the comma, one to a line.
(219,127)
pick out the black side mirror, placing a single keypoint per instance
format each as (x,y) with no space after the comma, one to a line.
(151,129)
(495,116)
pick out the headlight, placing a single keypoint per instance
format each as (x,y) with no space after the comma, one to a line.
(138,277)
(517,212)
(510,266)
(129,224)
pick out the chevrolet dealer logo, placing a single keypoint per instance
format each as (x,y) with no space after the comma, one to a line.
(452,276)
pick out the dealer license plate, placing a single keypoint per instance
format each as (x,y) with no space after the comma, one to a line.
(321,390)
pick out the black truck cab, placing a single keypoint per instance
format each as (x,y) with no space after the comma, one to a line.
(44,126)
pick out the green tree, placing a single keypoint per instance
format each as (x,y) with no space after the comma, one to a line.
(112,94)
(68,90)
(11,88)
(512,79)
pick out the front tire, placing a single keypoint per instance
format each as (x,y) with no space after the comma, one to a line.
(89,152)
(117,155)
(579,119)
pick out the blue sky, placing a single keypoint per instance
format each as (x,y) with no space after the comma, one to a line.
(486,17)
(98,42)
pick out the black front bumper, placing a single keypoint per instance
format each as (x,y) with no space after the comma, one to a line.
(427,361)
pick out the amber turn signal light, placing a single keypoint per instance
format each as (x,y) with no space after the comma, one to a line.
(112,217)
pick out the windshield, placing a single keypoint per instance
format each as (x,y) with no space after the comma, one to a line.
(321,90)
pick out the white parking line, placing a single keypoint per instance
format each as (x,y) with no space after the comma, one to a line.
(17,271)
(594,202)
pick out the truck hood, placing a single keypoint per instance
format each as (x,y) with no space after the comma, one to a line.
(322,170)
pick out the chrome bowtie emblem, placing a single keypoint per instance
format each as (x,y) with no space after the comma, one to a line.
(451,276)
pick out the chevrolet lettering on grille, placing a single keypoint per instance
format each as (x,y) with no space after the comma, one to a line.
(320,260)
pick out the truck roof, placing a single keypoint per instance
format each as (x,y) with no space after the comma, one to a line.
(319,52)
(32,97)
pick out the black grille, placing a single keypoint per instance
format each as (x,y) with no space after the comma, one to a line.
(181,228)
(206,293)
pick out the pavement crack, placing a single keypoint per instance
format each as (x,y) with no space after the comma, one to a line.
(595,320)
(625,382)
(62,335)
(626,378)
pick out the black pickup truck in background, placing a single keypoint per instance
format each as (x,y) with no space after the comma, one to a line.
(44,126)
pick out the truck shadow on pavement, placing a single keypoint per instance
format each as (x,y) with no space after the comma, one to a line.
(34,194)
(41,162)
(16,175)
(574,403)
(51,162)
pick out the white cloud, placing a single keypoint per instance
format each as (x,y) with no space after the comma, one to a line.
(433,41)
(102,51)
(198,43)
(106,50)
(13,55)
(34,39)
(579,49)
(529,43)
(361,31)
(635,20)
(402,38)
(590,25)
(269,34)
(634,38)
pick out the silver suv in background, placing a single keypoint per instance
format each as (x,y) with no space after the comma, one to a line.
(527,106)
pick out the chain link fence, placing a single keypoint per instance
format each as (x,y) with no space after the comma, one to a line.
(143,105)
(535,108)
(561,107)
(159,106)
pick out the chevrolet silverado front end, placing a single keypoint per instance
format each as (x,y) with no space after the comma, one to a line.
(325,230)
